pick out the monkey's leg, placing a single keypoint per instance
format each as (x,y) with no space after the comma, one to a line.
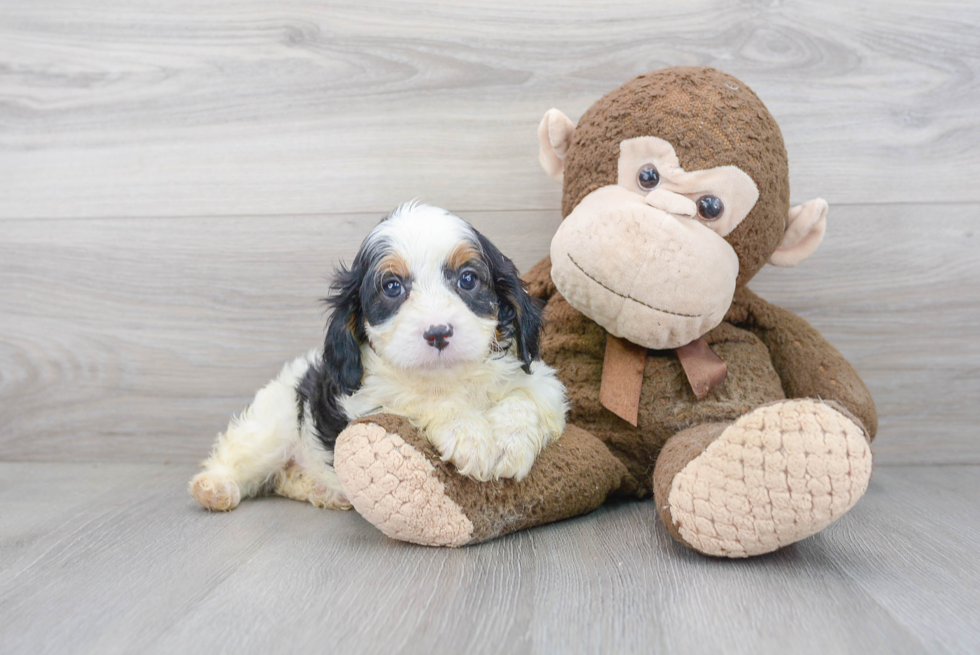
(777,475)
(396,480)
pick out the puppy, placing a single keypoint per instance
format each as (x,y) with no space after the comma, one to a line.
(430,322)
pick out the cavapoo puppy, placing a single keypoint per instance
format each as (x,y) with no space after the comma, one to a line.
(430,322)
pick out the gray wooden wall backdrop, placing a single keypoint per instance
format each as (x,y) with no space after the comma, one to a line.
(178,178)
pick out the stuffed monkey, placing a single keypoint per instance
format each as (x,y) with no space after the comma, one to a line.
(749,429)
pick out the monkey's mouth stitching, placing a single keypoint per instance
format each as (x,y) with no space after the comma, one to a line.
(621,295)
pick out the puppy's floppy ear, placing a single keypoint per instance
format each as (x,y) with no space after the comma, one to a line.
(519,316)
(345,331)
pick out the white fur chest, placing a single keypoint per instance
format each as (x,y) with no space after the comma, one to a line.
(437,394)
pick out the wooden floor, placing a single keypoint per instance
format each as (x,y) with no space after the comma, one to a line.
(178,179)
(115,558)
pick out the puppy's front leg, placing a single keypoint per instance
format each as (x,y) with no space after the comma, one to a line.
(503,441)
(467,440)
(518,434)
(526,420)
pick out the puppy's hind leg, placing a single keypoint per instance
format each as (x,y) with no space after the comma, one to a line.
(255,448)
(315,484)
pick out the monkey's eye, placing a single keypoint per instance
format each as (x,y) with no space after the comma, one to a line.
(392,288)
(710,208)
(467,281)
(648,178)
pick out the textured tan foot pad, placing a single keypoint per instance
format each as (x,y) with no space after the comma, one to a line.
(395,488)
(777,475)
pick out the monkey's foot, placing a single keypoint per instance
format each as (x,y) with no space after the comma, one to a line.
(215,492)
(396,480)
(777,475)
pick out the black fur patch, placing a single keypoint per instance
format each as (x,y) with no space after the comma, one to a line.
(378,307)
(519,316)
(319,389)
(355,294)
(356,298)
(482,299)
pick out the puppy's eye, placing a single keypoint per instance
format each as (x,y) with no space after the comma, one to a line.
(467,281)
(710,208)
(392,288)
(648,177)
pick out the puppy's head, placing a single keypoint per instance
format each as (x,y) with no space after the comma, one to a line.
(427,291)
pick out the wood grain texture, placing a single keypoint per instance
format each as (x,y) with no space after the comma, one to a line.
(117,558)
(135,340)
(178,179)
(246,107)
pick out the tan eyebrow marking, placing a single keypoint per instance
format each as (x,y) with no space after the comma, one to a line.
(462,255)
(394,263)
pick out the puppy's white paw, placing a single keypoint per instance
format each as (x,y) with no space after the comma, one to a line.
(503,443)
(517,453)
(518,437)
(473,461)
(500,452)
(215,492)
(468,443)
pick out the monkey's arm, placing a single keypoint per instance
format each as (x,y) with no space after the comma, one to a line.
(397,481)
(538,279)
(807,365)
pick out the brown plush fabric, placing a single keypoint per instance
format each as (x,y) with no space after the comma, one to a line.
(575,345)
(572,476)
(677,453)
(711,119)
(807,364)
(393,424)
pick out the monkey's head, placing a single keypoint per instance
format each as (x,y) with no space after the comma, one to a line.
(676,192)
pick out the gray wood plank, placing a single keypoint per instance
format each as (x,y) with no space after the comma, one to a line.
(47,506)
(132,565)
(245,107)
(929,520)
(135,340)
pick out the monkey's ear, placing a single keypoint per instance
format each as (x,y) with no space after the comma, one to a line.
(345,332)
(805,227)
(554,136)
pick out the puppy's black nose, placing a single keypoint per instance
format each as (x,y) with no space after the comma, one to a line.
(437,336)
